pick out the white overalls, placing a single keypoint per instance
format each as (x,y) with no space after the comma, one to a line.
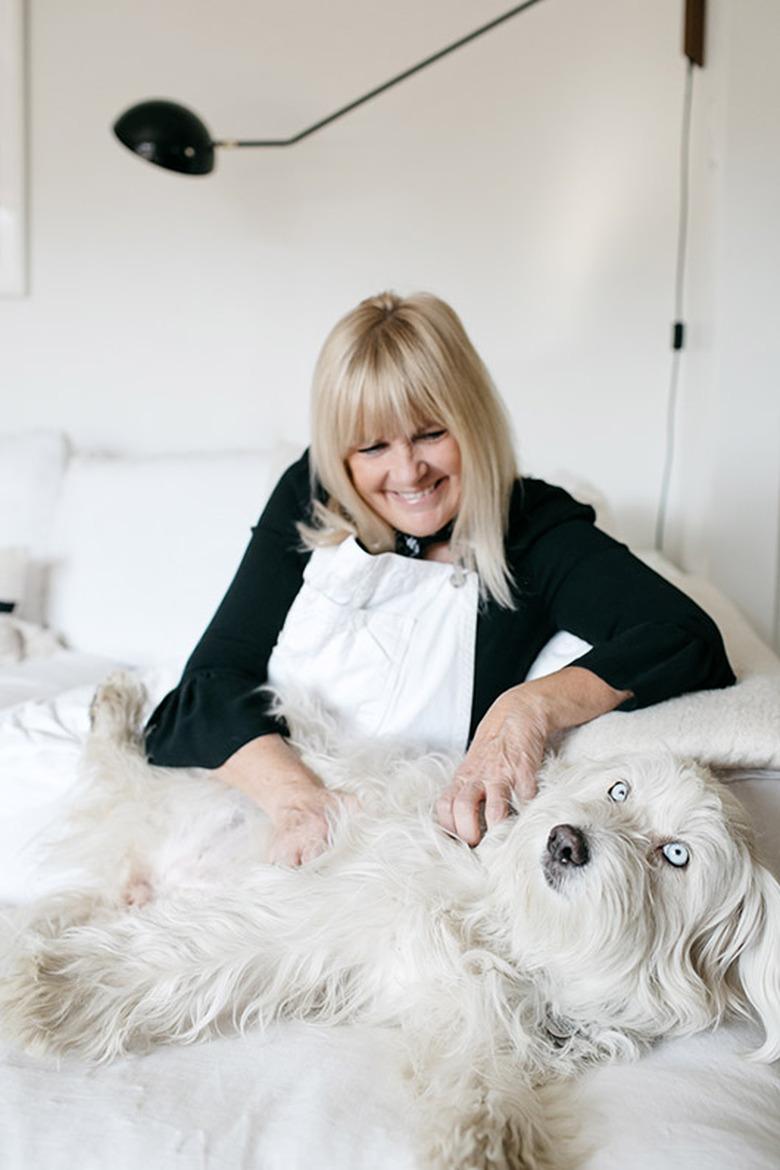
(385,643)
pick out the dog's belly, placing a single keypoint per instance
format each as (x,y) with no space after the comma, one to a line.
(396,898)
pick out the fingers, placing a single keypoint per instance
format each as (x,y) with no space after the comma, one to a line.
(503,761)
(294,847)
(302,834)
(465,812)
(496,805)
(526,784)
(496,767)
(313,849)
(459,808)
(444,811)
(284,850)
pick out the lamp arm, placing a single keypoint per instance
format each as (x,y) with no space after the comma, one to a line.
(230,143)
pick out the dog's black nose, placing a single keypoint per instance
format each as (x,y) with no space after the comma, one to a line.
(568,845)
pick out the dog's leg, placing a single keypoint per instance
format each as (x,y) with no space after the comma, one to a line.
(475,1069)
(492,1118)
(176,971)
(485,1117)
(114,820)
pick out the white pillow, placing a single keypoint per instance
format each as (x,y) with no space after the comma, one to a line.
(31,470)
(146,547)
(13,572)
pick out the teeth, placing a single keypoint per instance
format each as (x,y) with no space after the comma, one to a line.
(412,497)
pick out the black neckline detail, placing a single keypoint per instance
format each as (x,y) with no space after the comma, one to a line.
(415,546)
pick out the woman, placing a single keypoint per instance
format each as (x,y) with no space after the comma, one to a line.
(405,576)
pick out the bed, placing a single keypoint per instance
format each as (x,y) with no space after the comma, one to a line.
(300,1096)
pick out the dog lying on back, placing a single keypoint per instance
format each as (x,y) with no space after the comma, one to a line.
(624,903)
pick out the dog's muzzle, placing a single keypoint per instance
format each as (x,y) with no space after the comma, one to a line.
(567,849)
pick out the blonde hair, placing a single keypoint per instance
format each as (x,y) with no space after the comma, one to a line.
(387,368)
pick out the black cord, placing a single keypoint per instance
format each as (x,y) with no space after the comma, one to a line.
(777,595)
(678,338)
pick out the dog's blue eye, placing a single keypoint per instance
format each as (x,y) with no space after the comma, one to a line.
(619,792)
(675,853)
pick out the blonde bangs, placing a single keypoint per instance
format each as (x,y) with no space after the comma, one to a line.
(380,396)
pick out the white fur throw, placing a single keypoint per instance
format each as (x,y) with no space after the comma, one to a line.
(737,727)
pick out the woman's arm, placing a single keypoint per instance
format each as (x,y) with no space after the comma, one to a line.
(650,642)
(507,750)
(648,637)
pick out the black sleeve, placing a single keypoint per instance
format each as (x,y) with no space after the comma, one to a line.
(216,707)
(647,636)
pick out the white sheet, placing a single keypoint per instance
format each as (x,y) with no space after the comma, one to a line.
(303,1099)
(295,1098)
(42,678)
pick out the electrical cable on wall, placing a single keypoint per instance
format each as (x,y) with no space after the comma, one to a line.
(678,336)
(777,593)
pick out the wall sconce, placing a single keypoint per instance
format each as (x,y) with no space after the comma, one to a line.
(174,137)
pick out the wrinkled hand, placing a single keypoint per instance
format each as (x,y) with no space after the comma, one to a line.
(504,758)
(301,825)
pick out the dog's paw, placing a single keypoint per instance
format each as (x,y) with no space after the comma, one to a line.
(117,706)
(499,1124)
(28,1003)
(58,995)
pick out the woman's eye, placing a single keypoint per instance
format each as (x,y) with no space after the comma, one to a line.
(370,448)
(432,436)
(619,792)
(676,853)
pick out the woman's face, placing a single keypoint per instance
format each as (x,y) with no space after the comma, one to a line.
(411,482)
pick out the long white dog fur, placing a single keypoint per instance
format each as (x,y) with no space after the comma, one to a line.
(624,903)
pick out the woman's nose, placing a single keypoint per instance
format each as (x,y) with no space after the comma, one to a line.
(408,467)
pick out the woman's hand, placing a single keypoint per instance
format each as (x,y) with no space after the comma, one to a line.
(301,824)
(508,746)
(274,776)
(504,758)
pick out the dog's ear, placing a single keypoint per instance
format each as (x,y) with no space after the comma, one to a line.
(759,962)
(737,956)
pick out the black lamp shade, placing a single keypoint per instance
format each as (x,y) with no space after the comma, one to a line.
(168,135)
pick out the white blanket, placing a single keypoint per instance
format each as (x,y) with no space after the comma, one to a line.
(736,727)
(301,1099)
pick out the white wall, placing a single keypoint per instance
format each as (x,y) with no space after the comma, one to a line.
(530,179)
(726,498)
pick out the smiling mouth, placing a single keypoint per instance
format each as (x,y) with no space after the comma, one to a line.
(415,497)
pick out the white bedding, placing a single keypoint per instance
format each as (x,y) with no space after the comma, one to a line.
(301,1097)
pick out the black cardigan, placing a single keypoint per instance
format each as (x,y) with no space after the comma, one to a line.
(647,636)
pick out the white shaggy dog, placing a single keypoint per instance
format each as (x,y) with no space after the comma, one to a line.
(622,904)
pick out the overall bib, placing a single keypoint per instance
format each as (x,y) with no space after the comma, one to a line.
(384,643)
